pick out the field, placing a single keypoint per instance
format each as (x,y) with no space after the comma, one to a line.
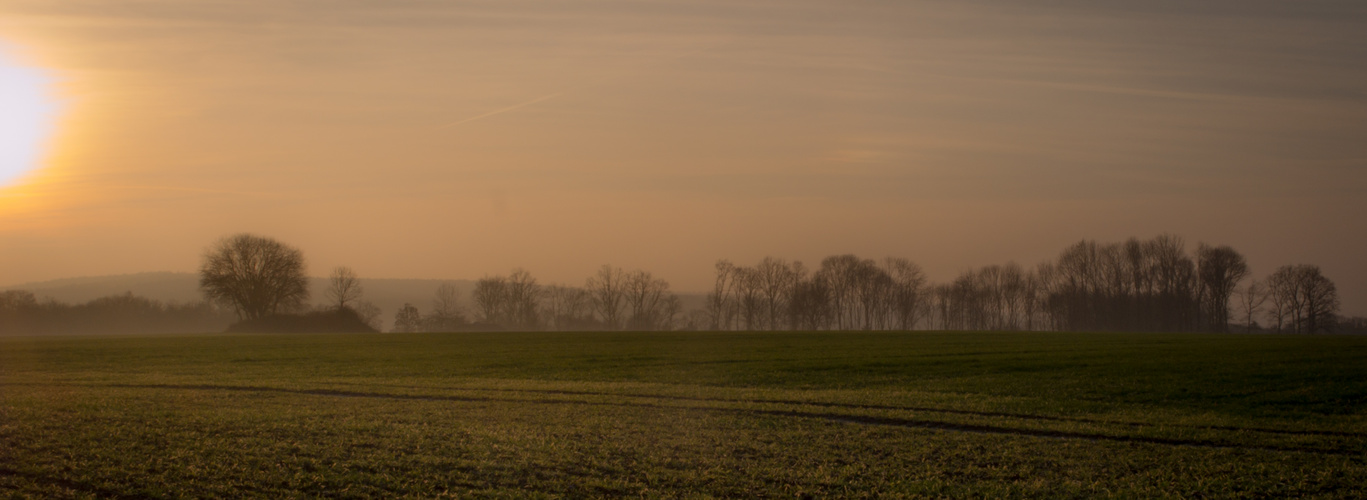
(830,414)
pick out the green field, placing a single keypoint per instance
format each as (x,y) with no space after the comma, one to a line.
(685,415)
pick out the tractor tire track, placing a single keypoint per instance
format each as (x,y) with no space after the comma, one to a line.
(832,417)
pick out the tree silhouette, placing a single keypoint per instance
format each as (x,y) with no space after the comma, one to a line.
(446,312)
(1251,300)
(491,298)
(1220,269)
(343,287)
(1303,300)
(257,276)
(607,290)
(407,319)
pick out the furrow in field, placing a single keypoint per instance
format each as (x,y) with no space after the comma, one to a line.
(833,417)
(924,409)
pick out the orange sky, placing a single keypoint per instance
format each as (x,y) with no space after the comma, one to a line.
(458,139)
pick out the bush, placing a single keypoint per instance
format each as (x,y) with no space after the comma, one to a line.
(332,321)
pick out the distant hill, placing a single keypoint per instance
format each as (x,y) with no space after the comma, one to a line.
(169,287)
(163,286)
(389,294)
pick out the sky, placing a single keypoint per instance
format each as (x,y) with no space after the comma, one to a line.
(26,121)
(458,139)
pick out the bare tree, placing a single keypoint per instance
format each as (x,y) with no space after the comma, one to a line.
(840,273)
(1014,284)
(775,279)
(490,297)
(1321,300)
(1281,291)
(1303,300)
(670,313)
(1046,289)
(567,308)
(646,300)
(446,313)
(940,308)
(1251,300)
(343,287)
(1077,286)
(510,302)
(969,302)
(1031,303)
(810,305)
(446,301)
(871,290)
(1146,286)
(407,319)
(748,297)
(1220,269)
(1178,299)
(991,302)
(256,276)
(720,306)
(521,297)
(607,290)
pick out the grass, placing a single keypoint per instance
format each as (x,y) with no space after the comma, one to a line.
(696,415)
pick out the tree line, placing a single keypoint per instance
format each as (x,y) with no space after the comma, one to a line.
(1137,285)
(21,312)
(1153,285)
(611,299)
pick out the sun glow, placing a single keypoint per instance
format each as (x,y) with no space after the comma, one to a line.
(27,118)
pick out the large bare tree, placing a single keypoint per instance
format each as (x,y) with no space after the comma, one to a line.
(254,275)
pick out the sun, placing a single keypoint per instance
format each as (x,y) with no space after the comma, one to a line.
(27,118)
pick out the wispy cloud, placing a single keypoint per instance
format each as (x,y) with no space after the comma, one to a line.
(502,110)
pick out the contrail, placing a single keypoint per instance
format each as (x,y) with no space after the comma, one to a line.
(503,110)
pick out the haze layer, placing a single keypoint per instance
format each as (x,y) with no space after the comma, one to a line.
(458,139)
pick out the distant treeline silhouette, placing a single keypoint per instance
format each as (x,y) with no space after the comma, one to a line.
(1149,286)
(22,313)
(1137,285)
(612,299)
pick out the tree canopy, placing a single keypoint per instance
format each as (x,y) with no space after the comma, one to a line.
(255,275)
